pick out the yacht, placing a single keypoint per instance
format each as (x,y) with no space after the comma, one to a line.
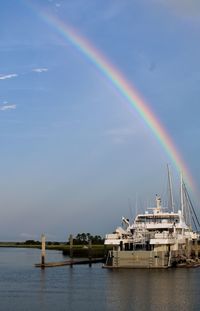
(156,239)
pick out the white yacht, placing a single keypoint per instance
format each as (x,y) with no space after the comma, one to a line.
(156,239)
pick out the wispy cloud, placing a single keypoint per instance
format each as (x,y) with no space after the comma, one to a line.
(187,8)
(113,10)
(120,135)
(39,70)
(28,236)
(33,236)
(8,107)
(9,76)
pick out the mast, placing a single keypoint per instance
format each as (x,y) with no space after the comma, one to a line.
(170,189)
(182,203)
(186,207)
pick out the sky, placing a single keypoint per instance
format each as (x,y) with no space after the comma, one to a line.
(75,155)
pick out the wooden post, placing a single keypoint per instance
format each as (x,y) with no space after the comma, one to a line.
(71,249)
(43,251)
(188,251)
(196,249)
(105,255)
(90,253)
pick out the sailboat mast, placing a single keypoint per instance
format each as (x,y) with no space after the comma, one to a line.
(182,203)
(170,189)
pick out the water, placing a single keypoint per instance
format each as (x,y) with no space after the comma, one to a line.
(26,288)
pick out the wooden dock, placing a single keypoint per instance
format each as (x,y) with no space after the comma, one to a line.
(69,263)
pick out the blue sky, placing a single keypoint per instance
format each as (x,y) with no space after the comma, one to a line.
(74,156)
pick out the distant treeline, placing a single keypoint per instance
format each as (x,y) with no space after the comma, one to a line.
(33,242)
(79,239)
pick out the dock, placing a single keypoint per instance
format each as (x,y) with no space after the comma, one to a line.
(70,263)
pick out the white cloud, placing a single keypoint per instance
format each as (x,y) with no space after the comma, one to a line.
(39,70)
(8,107)
(9,76)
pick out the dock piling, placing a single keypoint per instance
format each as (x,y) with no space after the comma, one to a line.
(196,249)
(188,248)
(71,249)
(90,253)
(43,251)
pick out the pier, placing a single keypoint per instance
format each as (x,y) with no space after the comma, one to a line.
(70,262)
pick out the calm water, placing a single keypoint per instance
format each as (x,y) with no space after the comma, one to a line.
(24,287)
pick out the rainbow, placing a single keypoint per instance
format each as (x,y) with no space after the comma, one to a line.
(115,77)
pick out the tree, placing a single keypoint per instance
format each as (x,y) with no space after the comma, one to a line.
(84,238)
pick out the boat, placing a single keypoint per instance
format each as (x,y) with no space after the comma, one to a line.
(159,238)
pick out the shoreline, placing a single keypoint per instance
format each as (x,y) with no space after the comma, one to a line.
(78,250)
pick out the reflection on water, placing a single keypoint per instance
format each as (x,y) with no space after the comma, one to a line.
(173,289)
(24,287)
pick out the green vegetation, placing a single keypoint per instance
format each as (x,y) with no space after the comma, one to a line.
(84,238)
(80,245)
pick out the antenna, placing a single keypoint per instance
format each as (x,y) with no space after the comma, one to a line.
(136,205)
(131,212)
